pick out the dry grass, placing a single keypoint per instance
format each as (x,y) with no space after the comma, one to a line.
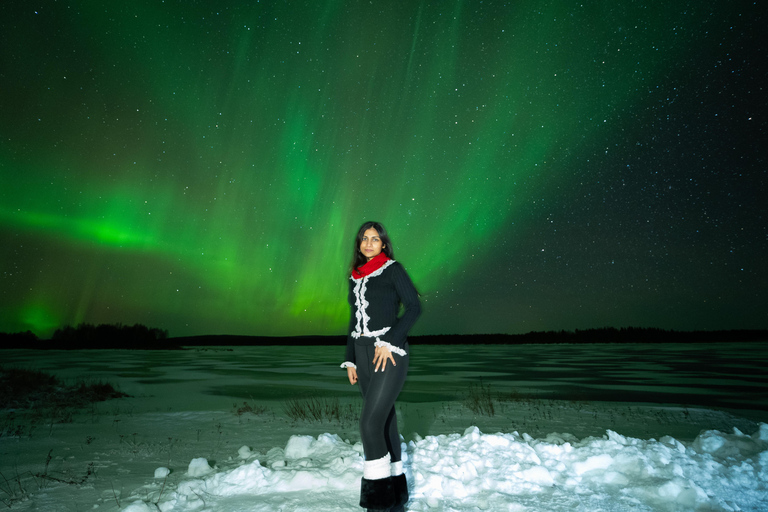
(321,409)
(480,400)
(41,396)
(248,408)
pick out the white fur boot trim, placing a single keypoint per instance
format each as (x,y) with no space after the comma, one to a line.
(376,469)
(396,468)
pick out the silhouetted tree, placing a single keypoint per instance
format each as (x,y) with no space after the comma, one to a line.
(26,339)
(110,336)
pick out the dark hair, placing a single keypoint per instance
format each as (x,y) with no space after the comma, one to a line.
(358,260)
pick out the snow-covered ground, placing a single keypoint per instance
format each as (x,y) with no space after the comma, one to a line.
(211,430)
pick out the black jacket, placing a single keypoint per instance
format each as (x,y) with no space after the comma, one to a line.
(375,301)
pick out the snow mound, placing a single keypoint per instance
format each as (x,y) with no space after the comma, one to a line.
(469,471)
(199,467)
(244,452)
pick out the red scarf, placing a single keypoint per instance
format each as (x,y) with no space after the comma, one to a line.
(371,266)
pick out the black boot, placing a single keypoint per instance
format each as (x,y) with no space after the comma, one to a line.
(400,490)
(377,494)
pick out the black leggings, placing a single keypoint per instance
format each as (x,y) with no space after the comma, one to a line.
(378,420)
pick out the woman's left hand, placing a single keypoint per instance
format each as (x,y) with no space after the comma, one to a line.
(380,358)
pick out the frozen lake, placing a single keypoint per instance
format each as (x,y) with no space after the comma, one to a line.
(722,375)
(579,443)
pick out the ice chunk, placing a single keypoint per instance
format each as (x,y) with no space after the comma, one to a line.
(558,439)
(687,496)
(162,472)
(538,475)
(298,447)
(729,445)
(592,463)
(199,467)
(471,429)
(617,438)
(761,434)
(673,442)
(244,452)
(709,441)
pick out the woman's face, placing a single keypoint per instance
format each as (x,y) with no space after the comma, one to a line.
(371,244)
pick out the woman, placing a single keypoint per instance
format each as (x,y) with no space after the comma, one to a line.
(377,360)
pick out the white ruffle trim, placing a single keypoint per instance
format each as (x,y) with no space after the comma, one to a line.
(347,364)
(361,329)
(369,334)
(392,348)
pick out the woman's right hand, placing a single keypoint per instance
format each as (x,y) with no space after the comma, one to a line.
(352,374)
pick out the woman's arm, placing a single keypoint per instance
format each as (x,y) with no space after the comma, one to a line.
(350,354)
(349,358)
(410,298)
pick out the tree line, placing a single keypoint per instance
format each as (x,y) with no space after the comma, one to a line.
(600,335)
(136,336)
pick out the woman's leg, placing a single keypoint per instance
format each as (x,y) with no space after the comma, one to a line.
(392,436)
(378,420)
(378,428)
(399,484)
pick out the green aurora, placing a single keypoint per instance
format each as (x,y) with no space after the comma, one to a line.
(203,166)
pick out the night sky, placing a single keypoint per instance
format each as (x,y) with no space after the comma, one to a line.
(203,166)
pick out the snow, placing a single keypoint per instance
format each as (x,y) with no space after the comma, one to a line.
(473,470)
(192,451)
(199,467)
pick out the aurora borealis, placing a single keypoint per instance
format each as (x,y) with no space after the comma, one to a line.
(203,166)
